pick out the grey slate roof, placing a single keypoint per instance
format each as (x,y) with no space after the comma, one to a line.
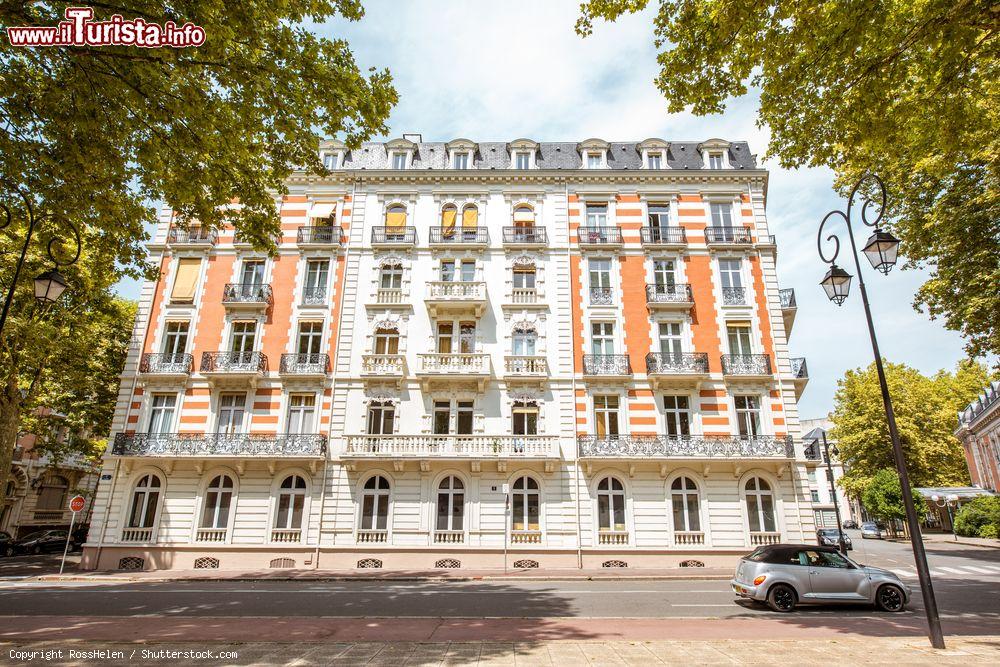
(551,155)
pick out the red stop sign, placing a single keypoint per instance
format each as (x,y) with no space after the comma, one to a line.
(76,503)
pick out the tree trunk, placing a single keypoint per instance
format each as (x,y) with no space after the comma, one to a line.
(10,419)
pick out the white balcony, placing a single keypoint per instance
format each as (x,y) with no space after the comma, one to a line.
(373,536)
(449,537)
(390,299)
(451,367)
(757,538)
(532,369)
(456,297)
(137,535)
(612,538)
(210,535)
(688,538)
(286,536)
(453,447)
(526,537)
(524,298)
(383,367)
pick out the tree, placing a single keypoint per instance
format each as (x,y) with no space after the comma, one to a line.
(925,409)
(979,517)
(883,497)
(905,89)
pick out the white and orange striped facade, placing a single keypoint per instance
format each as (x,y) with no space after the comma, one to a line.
(467,355)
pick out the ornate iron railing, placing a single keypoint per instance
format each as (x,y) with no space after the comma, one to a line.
(460,235)
(687,362)
(606,364)
(727,235)
(661,446)
(219,444)
(233,362)
(602,296)
(600,235)
(326,234)
(546,446)
(734,296)
(662,235)
(166,363)
(314,295)
(192,235)
(787,297)
(305,364)
(799,369)
(246,293)
(746,364)
(525,235)
(382,235)
(676,293)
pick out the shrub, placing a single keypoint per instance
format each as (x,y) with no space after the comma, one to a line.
(977,514)
(989,531)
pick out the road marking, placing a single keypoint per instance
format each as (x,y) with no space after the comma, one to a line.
(703,605)
(953,570)
(982,570)
(904,573)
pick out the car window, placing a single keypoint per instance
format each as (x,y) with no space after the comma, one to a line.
(33,536)
(57,533)
(832,559)
(758,555)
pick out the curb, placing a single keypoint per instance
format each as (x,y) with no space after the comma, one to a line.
(335,578)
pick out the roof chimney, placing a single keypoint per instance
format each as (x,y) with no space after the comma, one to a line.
(416,138)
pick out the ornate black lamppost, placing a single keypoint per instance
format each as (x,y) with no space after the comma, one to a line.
(815,435)
(880,249)
(49,285)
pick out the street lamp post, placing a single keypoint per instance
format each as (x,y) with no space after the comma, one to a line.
(815,435)
(946,503)
(880,249)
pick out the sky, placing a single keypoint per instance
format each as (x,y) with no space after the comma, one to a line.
(496,71)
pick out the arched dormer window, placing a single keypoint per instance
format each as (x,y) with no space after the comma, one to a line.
(523,153)
(593,153)
(715,153)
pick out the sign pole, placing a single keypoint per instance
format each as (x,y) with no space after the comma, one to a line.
(76,504)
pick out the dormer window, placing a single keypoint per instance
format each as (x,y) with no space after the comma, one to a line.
(522,160)
(461,161)
(331,161)
(715,153)
(653,161)
(715,160)
(594,160)
(399,160)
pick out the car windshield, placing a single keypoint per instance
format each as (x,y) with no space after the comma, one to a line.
(828,531)
(758,555)
(868,525)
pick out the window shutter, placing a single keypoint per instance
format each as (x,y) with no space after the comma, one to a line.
(470,218)
(448,216)
(186,281)
(395,219)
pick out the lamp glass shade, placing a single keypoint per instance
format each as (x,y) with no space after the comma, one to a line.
(49,286)
(881,250)
(837,284)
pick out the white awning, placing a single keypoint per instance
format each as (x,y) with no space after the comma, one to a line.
(322,211)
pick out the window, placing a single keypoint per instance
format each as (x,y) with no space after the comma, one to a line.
(602,338)
(597,215)
(524,216)
(464,271)
(244,335)
(659,216)
(525,418)
(145,499)
(760,505)
(161,413)
(684,499)
(467,337)
(715,160)
(330,160)
(232,409)
(450,504)
(391,276)
(606,416)
(663,276)
(522,160)
(386,341)
(463,418)
(447,270)
(52,493)
(748,415)
(722,214)
(445,331)
(524,278)
(677,415)
(671,341)
(375,504)
(461,161)
(738,336)
(186,281)
(594,160)
(731,271)
(470,222)
(815,496)
(523,342)
(302,413)
(291,502)
(252,273)
(310,337)
(526,501)
(175,338)
(653,161)
(317,276)
(449,215)
(395,216)
(600,274)
(442,417)
(218,500)
(381,418)
(399,160)
(610,505)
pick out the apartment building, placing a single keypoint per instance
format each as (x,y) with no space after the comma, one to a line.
(979,431)
(468,355)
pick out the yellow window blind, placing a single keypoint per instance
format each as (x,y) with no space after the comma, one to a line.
(470,217)
(395,219)
(448,216)
(186,282)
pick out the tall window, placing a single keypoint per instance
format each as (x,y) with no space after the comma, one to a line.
(145,499)
(597,215)
(330,160)
(461,160)
(52,493)
(463,417)
(653,161)
(375,504)
(243,337)
(467,337)
(317,275)
(525,418)
(600,274)
(760,505)
(524,277)
(450,504)
(386,341)
(671,340)
(310,337)
(526,501)
(523,342)
(524,216)
(593,160)
(442,417)
(186,281)
(522,160)
(715,160)
(232,409)
(444,411)
(252,273)
(602,338)
(465,270)
(291,502)
(677,415)
(391,276)
(449,215)
(731,272)
(738,336)
(470,222)
(722,214)
(302,413)
(445,332)
(663,273)
(606,415)
(175,338)
(218,500)
(684,498)
(611,505)
(399,160)
(748,415)
(381,418)
(395,216)
(161,413)
(448,270)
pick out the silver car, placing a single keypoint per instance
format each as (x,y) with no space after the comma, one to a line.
(784,575)
(872,530)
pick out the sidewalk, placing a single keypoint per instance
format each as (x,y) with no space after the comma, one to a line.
(948,538)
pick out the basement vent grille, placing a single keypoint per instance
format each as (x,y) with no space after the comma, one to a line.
(525,564)
(614,563)
(131,563)
(369,564)
(282,563)
(448,563)
(206,563)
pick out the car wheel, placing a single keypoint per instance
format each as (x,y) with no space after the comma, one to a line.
(889,598)
(36,550)
(8,552)
(781,598)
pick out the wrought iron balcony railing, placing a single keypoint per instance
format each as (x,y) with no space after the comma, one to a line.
(600,235)
(219,444)
(324,235)
(525,235)
(233,362)
(314,295)
(457,446)
(787,297)
(661,446)
(166,363)
(734,296)
(738,235)
(683,363)
(248,293)
(305,364)
(799,369)
(382,235)
(606,364)
(460,235)
(676,293)
(663,235)
(192,235)
(746,364)
(602,296)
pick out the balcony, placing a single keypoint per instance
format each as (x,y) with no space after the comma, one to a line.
(463,237)
(248,296)
(526,368)
(233,368)
(450,367)
(314,295)
(525,237)
(788,309)
(391,298)
(663,237)
(220,445)
(689,538)
(734,296)
(210,535)
(165,367)
(607,367)
(687,369)
(600,238)
(800,374)
(525,537)
(286,536)
(391,367)
(684,447)
(669,297)
(326,237)
(612,538)
(192,237)
(602,296)
(524,298)
(767,241)
(452,447)
(372,536)
(137,535)
(449,537)
(304,366)
(760,537)
(394,237)
(49,516)
(747,367)
(728,237)
(456,297)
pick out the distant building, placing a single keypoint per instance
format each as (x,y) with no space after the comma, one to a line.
(821,485)
(979,431)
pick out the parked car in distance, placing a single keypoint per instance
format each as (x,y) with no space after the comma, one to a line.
(40,541)
(872,530)
(786,575)
(850,524)
(830,537)
(79,536)
(6,544)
